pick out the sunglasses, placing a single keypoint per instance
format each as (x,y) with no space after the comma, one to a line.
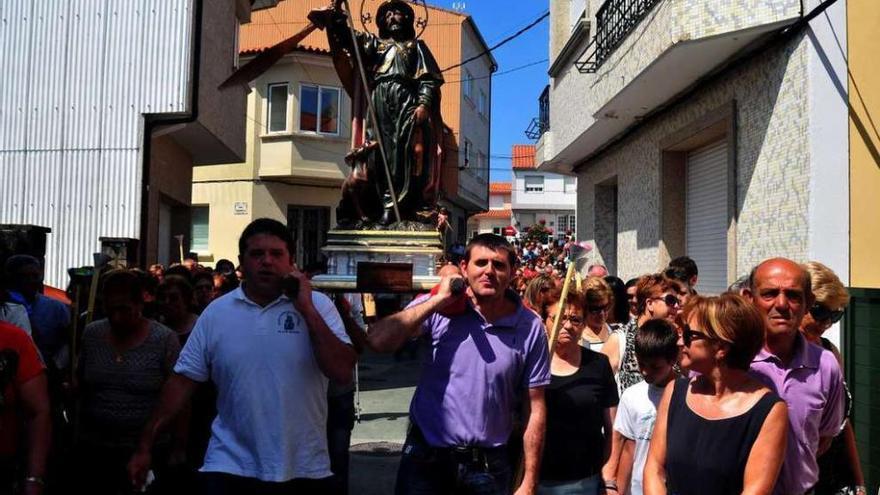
(670,300)
(688,335)
(820,312)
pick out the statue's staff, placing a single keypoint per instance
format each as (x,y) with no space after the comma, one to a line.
(371,109)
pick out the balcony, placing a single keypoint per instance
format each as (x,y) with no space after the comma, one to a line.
(643,53)
(614,21)
(541,124)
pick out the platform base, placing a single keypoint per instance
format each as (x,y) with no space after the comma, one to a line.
(345,249)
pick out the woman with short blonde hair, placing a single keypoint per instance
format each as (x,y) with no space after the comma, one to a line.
(598,302)
(839,467)
(722,428)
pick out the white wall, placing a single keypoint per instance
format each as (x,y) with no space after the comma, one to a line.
(829,144)
(77,78)
(554,196)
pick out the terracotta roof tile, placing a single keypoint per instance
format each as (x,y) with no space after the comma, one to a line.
(500,188)
(523,156)
(494,214)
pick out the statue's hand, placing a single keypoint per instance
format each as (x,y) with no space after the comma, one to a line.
(420,116)
(322,17)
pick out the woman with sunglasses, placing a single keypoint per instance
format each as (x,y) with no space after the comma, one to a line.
(720,432)
(839,467)
(581,401)
(656,298)
(598,303)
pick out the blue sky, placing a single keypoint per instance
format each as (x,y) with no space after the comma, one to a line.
(514,95)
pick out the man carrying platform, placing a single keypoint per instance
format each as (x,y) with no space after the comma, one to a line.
(488,353)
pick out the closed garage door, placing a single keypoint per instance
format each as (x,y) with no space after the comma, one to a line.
(706,216)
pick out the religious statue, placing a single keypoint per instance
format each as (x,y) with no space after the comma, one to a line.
(396,157)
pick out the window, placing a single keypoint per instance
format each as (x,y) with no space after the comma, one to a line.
(562,223)
(534,183)
(468,86)
(309,225)
(570,185)
(483,106)
(468,153)
(198,233)
(277,107)
(496,230)
(319,109)
(572,225)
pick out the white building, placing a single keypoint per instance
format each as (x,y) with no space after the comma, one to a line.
(104,109)
(497,219)
(715,129)
(541,196)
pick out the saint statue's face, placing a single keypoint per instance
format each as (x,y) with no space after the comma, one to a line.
(396,22)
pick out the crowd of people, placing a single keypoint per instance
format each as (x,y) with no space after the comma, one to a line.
(238,380)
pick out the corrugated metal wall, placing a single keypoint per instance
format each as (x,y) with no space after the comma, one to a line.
(77,77)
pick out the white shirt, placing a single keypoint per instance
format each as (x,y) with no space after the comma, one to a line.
(635,419)
(271,395)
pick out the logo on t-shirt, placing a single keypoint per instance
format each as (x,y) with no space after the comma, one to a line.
(289,322)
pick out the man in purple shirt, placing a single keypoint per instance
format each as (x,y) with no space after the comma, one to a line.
(806,376)
(485,356)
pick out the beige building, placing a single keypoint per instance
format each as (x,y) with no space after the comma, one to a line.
(498,217)
(299,130)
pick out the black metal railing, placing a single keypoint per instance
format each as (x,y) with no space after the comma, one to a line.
(541,124)
(615,19)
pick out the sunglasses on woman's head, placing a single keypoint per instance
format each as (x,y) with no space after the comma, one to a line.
(820,312)
(688,335)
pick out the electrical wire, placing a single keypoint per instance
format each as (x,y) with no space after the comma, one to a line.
(501,43)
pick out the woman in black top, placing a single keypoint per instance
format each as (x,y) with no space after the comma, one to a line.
(721,432)
(581,400)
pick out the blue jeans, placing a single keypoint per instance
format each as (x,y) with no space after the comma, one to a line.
(425,470)
(594,485)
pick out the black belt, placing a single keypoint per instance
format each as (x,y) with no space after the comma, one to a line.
(465,454)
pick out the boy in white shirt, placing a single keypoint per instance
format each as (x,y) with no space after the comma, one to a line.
(656,349)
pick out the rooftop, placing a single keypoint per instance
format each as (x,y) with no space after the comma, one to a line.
(500,187)
(523,156)
(493,214)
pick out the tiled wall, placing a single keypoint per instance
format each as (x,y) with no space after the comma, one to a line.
(576,97)
(772,164)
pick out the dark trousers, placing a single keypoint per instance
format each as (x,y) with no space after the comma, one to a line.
(101,470)
(340,422)
(425,470)
(229,484)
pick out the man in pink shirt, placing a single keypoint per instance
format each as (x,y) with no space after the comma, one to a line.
(806,376)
